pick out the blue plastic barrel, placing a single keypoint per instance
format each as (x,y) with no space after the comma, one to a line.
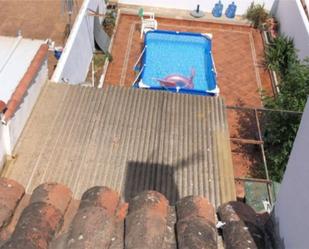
(231,10)
(217,10)
(58,52)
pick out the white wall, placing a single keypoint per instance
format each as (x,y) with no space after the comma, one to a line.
(291,208)
(205,5)
(13,129)
(294,23)
(18,121)
(75,60)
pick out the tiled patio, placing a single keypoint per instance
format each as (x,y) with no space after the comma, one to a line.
(238,52)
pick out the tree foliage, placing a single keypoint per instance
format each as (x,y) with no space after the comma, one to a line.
(257,15)
(281,128)
(281,55)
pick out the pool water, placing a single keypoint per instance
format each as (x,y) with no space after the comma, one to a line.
(172,53)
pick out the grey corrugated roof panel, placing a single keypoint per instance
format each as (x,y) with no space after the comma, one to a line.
(128,139)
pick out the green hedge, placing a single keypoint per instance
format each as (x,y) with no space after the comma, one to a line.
(281,128)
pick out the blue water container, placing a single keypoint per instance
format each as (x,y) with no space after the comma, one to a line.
(58,52)
(217,10)
(231,10)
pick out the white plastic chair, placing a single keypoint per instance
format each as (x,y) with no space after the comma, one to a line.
(150,15)
(149,23)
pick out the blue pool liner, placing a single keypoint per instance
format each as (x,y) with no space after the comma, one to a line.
(170,52)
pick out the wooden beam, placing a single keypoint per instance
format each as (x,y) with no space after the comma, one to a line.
(252,180)
(246,141)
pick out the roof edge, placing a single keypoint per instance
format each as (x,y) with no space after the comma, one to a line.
(2,106)
(24,83)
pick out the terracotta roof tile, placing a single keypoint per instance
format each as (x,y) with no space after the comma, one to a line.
(101,197)
(238,211)
(52,193)
(10,194)
(195,206)
(170,241)
(243,235)
(36,227)
(195,227)
(146,223)
(7,231)
(51,219)
(96,215)
(2,106)
(243,228)
(25,82)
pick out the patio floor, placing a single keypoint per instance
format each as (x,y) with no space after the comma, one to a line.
(238,53)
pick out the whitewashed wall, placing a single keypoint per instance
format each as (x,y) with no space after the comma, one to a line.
(13,129)
(205,5)
(76,57)
(18,121)
(291,208)
(294,23)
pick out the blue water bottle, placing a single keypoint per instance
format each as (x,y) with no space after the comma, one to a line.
(231,10)
(217,10)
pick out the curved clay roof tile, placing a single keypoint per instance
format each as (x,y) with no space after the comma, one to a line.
(2,106)
(51,219)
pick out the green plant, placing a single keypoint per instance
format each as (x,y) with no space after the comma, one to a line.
(110,21)
(108,56)
(99,59)
(257,15)
(280,55)
(281,128)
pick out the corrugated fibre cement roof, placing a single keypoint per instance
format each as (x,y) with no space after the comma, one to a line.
(129,140)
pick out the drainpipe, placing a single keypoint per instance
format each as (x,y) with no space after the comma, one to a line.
(6,138)
(92,76)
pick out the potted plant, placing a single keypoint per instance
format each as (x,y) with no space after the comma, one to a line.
(272,27)
(257,15)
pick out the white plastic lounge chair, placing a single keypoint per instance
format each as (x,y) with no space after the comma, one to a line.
(149,23)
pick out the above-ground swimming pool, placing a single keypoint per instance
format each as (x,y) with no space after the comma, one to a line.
(179,62)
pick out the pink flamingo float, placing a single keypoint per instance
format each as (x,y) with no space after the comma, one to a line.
(178,81)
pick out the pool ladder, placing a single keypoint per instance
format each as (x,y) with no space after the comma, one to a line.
(137,67)
(213,64)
